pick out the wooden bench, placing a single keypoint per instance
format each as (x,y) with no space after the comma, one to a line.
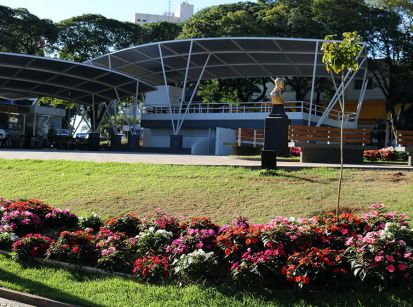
(405,141)
(250,137)
(322,144)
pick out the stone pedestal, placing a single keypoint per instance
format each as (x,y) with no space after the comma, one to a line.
(176,142)
(133,141)
(94,140)
(268,159)
(275,137)
(116,142)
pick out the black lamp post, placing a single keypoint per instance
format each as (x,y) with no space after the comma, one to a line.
(276,129)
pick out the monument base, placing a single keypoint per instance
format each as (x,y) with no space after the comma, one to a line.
(269,159)
(176,142)
(276,134)
(133,141)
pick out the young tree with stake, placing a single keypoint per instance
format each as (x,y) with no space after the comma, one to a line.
(340,57)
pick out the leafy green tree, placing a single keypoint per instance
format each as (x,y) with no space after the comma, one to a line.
(21,31)
(390,41)
(84,37)
(161,31)
(340,57)
(237,19)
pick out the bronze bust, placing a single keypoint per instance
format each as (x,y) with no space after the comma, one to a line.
(277,94)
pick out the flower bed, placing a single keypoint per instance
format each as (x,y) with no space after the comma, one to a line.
(374,248)
(385,154)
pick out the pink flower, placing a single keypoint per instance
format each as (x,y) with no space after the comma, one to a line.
(378,258)
(390,215)
(407,255)
(349,241)
(391,268)
(390,258)
(402,267)
(105,252)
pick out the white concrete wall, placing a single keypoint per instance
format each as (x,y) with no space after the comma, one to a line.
(160,137)
(223,141)
(159,97)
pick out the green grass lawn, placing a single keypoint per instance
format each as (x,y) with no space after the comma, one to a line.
(111,189)
(94,290)
(219,192)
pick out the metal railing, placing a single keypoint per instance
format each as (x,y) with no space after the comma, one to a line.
(246,107)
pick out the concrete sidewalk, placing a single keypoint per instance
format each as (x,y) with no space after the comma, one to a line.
(101,156)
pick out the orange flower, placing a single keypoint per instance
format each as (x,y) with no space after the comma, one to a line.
(306,280)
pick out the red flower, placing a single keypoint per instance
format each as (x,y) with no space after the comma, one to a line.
(306,280)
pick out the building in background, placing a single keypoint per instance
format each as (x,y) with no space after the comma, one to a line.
(183,12)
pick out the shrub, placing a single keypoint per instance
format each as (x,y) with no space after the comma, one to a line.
(235,240)
(384,255)
(22,222)
(61,218)
(7,238)
(260,268)
(193,239)
(116,252)
(291,233)
(295,151)
(152,268)
(167,222)
(128,224)
(197,265)
(152,241)
(385,154)
(90,221)
(32,245)
(32,205)
(333,232)
(74,247)
(323,266)
(202,223)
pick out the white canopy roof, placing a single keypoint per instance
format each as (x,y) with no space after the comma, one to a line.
(23,76)
(220,58)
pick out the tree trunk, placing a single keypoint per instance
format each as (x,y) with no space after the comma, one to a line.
(341,149)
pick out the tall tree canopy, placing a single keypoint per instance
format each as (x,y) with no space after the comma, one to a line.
(161,31)
(21,31)
(84,37)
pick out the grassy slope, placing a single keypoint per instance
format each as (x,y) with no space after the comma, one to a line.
(220,192)
(111,189)
(90,290)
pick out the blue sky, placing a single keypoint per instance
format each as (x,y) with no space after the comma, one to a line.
(119,9)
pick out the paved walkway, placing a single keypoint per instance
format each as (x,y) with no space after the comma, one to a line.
(8,303)
(167,159)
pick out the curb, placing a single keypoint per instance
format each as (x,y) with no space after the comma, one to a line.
(31,299)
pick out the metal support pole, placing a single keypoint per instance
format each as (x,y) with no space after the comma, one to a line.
(81,119)
(123,109)
(313,83)
(337,95)
(194,92)
(104,114)
(93,114)
(135,107)
(166,88)
(361,99)
(184,85)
